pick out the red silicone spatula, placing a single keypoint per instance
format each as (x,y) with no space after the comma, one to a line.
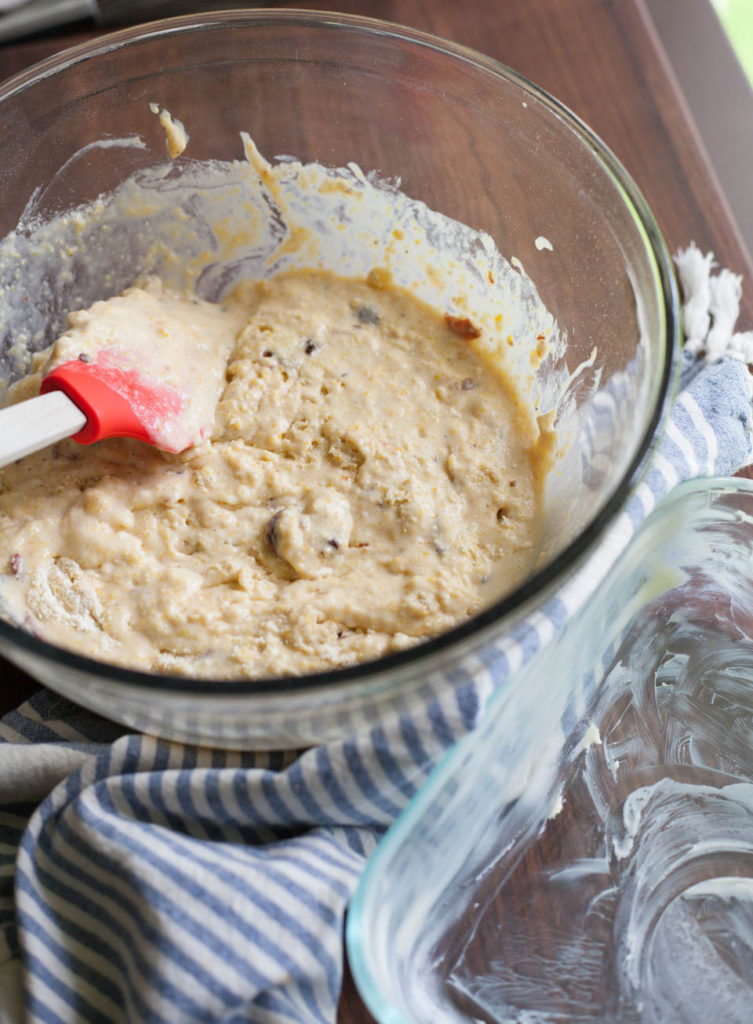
(146,364)
(90,401)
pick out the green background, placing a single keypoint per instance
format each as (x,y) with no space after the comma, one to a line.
(737,18)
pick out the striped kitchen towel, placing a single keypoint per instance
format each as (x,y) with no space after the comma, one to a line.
(147,881)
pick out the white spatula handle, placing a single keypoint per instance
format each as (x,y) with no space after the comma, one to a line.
(36,423)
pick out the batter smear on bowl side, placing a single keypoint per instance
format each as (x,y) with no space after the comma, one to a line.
(369,481)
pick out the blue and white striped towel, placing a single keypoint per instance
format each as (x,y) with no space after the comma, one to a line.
(157,882)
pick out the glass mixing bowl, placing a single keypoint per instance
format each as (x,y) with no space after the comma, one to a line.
(468,137)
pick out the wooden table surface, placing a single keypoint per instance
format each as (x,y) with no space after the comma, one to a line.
(603,59)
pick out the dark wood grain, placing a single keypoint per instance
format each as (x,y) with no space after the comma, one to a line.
(603,59)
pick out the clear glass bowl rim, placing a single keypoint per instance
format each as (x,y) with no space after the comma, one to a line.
(541,581)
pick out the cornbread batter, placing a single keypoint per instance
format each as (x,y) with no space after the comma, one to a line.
(368,483)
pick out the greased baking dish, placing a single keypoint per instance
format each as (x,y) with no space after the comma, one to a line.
(587,854)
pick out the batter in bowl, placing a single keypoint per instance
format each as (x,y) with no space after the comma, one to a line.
(369,482)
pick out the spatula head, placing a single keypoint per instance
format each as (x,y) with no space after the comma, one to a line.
(118,402)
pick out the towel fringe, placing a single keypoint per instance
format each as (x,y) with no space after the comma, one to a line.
(711,306)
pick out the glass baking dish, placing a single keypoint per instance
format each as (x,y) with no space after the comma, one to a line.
(587,853)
